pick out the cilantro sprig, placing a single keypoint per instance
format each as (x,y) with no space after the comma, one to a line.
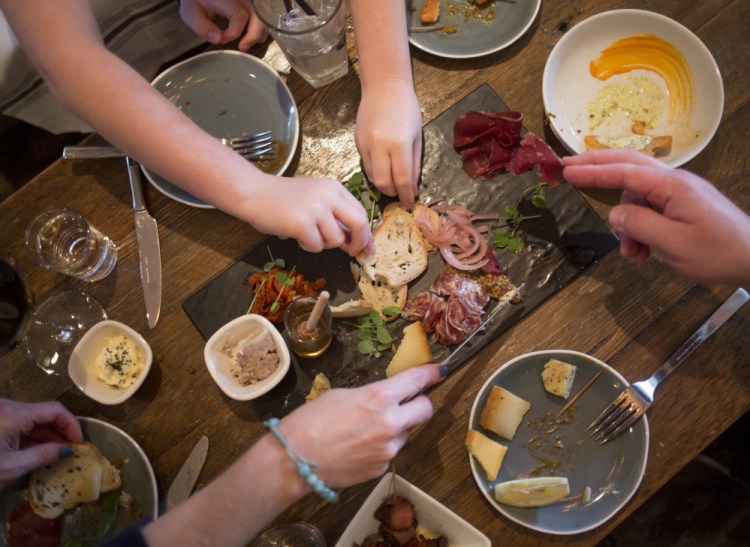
(510,239)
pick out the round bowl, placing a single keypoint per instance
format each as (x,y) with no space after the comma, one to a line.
(81,363)
(568,86)
(219,363)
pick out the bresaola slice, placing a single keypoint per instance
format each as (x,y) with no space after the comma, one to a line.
(491,141)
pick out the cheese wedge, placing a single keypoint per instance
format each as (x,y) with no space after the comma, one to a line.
(488,453)
(320,385)
(413,351)
(503,412)
(558,377)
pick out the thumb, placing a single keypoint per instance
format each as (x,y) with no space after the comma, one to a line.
(643,225)
(16,464)
(202,25)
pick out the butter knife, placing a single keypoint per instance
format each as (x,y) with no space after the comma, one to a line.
(187,476)
(148,246)
(450,363)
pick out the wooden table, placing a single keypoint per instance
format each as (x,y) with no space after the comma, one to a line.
(630,316)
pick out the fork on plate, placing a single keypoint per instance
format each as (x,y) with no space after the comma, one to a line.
(258,147)
(635,400)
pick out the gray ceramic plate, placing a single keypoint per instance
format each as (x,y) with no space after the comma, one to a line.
(480,34)
(138,478)
(229,93)
(613,471)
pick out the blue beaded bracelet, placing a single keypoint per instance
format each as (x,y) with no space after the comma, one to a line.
(304,467)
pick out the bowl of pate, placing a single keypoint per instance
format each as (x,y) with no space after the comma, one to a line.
(247,357)
(110,362)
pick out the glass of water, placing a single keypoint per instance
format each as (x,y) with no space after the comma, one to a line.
(313,39)
(65,241)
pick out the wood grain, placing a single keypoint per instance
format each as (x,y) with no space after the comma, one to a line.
(630,316)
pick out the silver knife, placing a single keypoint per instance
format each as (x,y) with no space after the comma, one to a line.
(148,246)
(447,365)
(88,152)
(187,476)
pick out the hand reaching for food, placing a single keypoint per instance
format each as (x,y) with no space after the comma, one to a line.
(200,15)
(353,434)
(389,137)
(318,213)
(33,435)
(698,231)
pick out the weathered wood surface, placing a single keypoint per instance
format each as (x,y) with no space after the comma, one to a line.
(630,316)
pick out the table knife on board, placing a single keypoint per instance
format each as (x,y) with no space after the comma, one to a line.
(187,476)
(147,235)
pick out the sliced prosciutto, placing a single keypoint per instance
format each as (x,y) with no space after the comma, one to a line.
(491,141)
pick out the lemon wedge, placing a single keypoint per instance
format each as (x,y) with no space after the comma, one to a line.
(532,492)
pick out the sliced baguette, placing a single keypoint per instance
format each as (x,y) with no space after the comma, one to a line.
(351,308)
(380,294)
(400,251)
(66,483)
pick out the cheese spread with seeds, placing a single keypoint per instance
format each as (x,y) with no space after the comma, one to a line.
(120,362)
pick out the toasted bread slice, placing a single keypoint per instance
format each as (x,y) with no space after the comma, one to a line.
(66,483)
(430,12)
(400,251)
(351,308)
(380,294)
(653,146)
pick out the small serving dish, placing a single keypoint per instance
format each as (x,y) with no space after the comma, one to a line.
(83,359)
(431,515)
(219,363)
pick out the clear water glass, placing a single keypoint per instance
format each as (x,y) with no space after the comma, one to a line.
(298,534)
(65,241)
(315,45)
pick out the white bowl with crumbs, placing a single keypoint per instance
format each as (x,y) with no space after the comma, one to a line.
(247,357)
(110,362)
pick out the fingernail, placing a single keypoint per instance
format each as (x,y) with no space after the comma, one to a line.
(213,36)
(65,452)
(617,218)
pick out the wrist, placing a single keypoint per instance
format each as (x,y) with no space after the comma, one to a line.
(281,470)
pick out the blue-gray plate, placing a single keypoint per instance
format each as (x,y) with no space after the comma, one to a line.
(479,31)
(229,93)
(89,524)
(613,471)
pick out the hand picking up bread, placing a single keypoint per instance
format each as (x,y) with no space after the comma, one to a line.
(66,483)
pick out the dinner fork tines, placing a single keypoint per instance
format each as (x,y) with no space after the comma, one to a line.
(635,400)
(252,146)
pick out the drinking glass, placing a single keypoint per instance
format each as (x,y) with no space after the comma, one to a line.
(315,45)
(298,534)
(16,300)
(65,241)
(57,325)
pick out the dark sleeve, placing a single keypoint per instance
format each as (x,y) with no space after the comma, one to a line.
(131,537)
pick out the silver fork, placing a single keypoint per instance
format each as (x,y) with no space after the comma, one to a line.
(259,146)
(635,400)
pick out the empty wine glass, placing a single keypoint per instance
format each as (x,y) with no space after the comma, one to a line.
(56,326)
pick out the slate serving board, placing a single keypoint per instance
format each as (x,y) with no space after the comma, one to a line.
(569,237)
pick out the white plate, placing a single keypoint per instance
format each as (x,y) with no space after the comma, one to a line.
(473,37)
(137,475)
(228,93)
(85,354)
(612,471)
(568,86)
(218,363)
(431,515)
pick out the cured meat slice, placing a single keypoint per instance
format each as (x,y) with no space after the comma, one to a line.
(473,126)
(534,151)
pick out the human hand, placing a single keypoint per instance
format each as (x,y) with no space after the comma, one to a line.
(388,135)
(698,231)
(353,434)
(33,435)
(200,15)
(318,213)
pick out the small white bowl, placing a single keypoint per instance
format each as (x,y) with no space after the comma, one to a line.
(431,515)
(219,363)
(84,356)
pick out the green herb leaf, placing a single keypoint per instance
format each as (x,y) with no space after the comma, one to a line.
(275,307)
(515,244)
(366,347)
(383,336)
(539,202)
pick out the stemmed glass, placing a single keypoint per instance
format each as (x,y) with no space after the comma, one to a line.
(15,305)
(56,326)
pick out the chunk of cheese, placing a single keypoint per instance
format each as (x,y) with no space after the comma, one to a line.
(503,412)
(558,377)
(488,453)
(413,351)
(320,385)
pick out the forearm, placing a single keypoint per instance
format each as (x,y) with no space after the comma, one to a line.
(382,41)
(236,506)
(115,100)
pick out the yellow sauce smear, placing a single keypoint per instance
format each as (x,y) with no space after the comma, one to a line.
(649,52)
